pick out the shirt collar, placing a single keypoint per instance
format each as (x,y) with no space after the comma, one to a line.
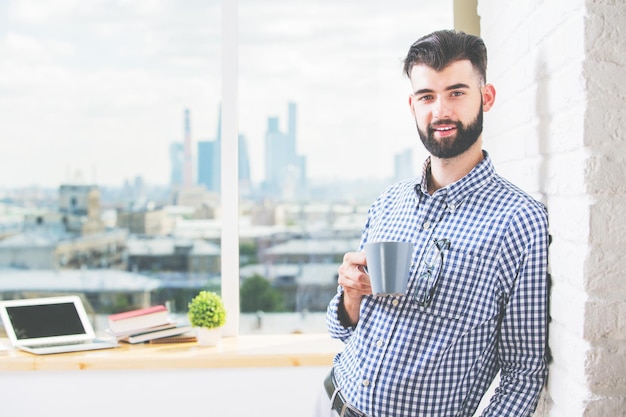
(457,192)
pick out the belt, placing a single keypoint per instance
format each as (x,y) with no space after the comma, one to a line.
(337,400)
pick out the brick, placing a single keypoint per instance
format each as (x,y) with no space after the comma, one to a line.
(568,396)
(551,15)
(603,23)
(522,172)
(566,173)
(565,211)
(605,130)
(606,370)
(558,67)
(604,272)
(565,88)
(606,220)
(567,262)
(605,407)
(605,82)
(601,320)
(567,309)
(565,130)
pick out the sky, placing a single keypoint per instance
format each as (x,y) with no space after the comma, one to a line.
(95,92)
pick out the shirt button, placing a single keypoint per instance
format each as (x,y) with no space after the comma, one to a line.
(395,302)
(452,207)
(426,225)
(379,343)
(366,383)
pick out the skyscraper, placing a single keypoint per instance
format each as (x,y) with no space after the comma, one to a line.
(187,164)
(403,165)
(210,161)
(176,163)
(209,165)
(245,178)
(285,171)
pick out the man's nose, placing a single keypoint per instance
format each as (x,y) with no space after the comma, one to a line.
(441,109)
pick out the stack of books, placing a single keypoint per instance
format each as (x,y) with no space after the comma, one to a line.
(144,324)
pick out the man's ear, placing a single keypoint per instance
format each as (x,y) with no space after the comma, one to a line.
(489,96)
(411,98)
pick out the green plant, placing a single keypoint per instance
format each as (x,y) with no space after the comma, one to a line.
(206,310)
(256,293)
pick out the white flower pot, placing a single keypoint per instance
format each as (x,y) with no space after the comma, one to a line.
(208,337)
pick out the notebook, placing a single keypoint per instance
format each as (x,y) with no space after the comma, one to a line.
(50,325)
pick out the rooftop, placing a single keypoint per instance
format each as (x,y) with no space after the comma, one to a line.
(167,246)
(97,280)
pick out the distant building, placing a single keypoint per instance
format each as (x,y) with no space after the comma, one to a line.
(177,157)
(47,249)
(71,238)
(173,254)
(301,251)
(245,177)
(305,287)
(303,270)
(106,290)
(209,159)
(209,165)
(145,222)
(79,206)
(285,171)
(210,162)
(404,166)
(135,193)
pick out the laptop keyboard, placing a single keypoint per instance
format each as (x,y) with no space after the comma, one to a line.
(70,346)
(45,345)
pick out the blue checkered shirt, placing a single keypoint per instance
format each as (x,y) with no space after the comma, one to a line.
(488,312)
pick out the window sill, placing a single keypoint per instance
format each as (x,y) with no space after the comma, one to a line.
(245,351)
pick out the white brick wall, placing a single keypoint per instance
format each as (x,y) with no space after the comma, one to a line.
(558,130)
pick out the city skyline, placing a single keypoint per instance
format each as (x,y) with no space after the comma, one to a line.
(101,90)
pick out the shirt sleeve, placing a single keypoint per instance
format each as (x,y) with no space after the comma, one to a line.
(522,343)
(336,326)
(336,322)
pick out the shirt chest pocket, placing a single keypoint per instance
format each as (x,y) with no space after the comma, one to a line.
(463,288)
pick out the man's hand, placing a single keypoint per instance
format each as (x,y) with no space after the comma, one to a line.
(355,283)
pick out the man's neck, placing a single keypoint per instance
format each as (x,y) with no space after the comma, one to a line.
(444,172)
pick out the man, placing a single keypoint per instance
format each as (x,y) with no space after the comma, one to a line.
(479,304)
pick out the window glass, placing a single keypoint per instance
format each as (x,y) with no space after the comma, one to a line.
(105,107)
(110,170)
(325,126)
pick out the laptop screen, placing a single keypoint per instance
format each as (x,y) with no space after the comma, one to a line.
(45,320)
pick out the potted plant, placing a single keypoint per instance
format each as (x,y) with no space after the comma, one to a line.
(207,314)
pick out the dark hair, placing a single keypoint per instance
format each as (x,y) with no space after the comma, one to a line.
(442,48)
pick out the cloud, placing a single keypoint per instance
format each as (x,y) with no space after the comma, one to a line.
(102,85)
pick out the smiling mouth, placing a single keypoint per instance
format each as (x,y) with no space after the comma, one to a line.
(443,131)
(444,127)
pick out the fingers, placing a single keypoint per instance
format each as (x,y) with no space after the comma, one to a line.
(352,278)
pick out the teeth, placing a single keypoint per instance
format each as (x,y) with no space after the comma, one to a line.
(444,128)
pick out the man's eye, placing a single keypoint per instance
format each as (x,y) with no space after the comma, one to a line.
(457,93)
(425,98)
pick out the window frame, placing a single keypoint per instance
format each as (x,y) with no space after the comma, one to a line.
(230,166)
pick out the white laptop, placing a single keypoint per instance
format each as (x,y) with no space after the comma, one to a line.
(50,325)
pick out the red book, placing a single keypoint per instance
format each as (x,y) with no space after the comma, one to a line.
(138,319)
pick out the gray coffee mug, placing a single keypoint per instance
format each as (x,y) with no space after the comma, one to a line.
(388,265)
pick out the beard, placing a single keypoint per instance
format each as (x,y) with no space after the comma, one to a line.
(450,147)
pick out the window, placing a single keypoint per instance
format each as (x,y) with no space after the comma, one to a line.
(322,110)
(105,108)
